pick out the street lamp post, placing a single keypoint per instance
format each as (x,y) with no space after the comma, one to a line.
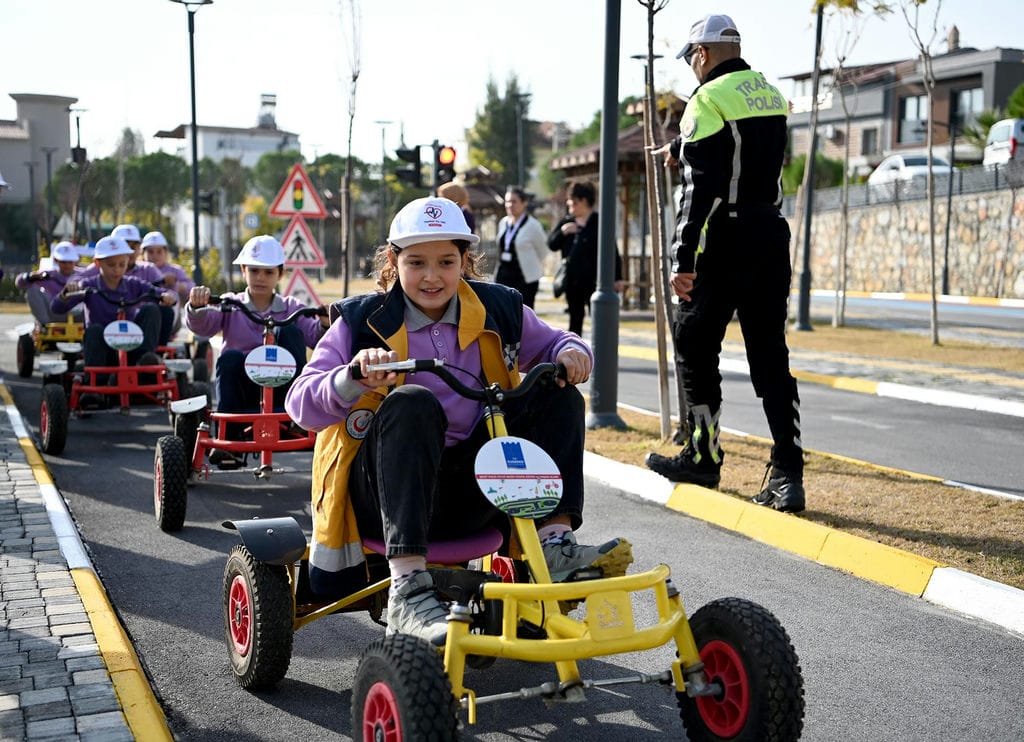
(78,157)
(383,208)
(192,6)
(31,165)
(48,151)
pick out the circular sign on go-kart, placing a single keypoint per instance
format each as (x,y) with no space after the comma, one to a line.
(123,334)
(518,477)
(270,365)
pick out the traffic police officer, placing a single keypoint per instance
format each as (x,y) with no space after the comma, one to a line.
(731,256)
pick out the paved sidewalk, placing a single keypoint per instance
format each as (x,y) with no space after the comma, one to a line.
(54,681)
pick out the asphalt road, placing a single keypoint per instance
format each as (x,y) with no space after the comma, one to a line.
(877,664)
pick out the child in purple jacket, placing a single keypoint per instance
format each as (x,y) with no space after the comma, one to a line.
(42,285)
(262,263)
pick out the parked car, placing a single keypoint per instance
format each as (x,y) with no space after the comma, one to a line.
(1005,142)
(907,167)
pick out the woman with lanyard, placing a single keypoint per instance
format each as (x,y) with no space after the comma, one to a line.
(523,245)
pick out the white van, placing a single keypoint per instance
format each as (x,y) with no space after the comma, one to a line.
(1005,142)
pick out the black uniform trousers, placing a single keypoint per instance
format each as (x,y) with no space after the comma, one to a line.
(744,270)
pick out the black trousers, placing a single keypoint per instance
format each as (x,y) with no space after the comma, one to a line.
(745,271)
(407,488)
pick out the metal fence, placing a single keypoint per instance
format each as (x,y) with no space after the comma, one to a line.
(964,180)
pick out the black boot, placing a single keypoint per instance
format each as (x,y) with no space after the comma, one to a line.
(785,491)
(700,461)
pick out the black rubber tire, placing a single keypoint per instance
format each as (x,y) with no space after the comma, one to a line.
(53,419)
(745,646)
(170,483)
(258,619)
(401,679)
(200,370)
(186,427)
(26,355)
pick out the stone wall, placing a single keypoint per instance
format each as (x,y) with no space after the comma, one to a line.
(889,250)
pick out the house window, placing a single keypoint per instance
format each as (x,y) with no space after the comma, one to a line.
(869,141)
(913,119)
(967,104)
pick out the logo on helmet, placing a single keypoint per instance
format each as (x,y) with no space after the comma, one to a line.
(434,212)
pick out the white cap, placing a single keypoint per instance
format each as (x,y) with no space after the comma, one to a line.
(262,251)
(154,239)
(108,247)
(64,250)
(127,232)
(4,183)
(429,219)
(708,30)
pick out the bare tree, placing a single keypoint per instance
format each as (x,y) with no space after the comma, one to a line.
(655,207)
(911,10)
(351,14)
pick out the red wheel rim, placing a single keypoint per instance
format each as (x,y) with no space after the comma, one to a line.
(44,420)
(503,567)
(726,713)
(240,616)
(381,722)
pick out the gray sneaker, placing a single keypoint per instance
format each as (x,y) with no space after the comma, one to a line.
(414,608)
(566,556)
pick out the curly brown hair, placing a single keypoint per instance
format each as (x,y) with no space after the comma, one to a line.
(386,273)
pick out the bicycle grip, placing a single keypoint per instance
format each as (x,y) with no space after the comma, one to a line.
(410,366)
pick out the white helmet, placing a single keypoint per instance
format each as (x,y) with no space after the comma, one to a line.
(154,239)
(262,251)
(108,247)
(127,232)
(64,250)
(429,219)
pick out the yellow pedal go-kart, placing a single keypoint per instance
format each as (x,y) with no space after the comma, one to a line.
(736,676)
(35,339)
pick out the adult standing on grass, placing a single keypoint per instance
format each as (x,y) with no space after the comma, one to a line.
(731,256)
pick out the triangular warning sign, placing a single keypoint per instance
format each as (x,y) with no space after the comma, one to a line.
(300,288)
(298,197)
(300,249)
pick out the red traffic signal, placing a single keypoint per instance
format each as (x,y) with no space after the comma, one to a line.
(444,165)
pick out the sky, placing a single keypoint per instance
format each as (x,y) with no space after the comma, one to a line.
(423,65)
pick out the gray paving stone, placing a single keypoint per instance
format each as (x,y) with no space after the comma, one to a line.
(19,685)
(111,720)
(9,701)
(94,662)
(83,650)
(28,622)
(47,695)
(97,705)
(7,660)
(72,628)
(46,654)
(12,724)
(90,676)
(55,710)
(69,607)
(107,735)
(62,728)
(60,619)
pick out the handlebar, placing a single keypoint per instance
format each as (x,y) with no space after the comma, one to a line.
(228,304)
(492,393)
(120,302)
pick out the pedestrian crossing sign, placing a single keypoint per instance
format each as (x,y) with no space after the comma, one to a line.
(300,288)
(298,197)
(300,249)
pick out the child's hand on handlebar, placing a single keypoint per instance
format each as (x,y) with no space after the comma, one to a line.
(370,357)
(577,366)
(168,298)
(199,296)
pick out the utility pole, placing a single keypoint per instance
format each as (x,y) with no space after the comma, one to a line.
(48,151)
(31,165)
(383,206)
(521,100)
(803,321)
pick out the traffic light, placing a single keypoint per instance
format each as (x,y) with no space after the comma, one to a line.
(411,174)
(206,201)
(444,165)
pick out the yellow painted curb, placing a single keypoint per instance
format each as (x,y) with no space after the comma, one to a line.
(143,713)
(802,537)
(859,556)
(705,504)
(877,562)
